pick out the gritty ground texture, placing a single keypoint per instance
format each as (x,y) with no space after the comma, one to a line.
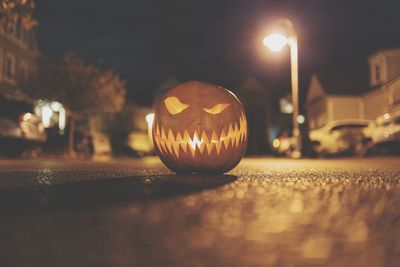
(267,212)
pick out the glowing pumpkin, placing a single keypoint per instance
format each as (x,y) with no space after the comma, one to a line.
(200,127)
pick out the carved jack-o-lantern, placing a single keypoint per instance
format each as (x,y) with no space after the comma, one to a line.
(200,127)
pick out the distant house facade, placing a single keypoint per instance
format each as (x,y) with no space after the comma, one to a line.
(18,54)
(331,99)
(385,82)
(335,97)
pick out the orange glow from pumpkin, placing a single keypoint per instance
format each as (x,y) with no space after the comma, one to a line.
(195,142)
(175,143)
(174,105)
(216,109)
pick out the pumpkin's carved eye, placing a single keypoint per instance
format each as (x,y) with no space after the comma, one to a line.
(174,105)
(218,108)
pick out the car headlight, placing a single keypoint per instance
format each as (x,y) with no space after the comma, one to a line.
(276,143)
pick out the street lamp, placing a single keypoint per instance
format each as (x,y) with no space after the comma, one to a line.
(275,42)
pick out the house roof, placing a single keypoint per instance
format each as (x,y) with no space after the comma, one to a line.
(252,92)
(343,83)
(386,52)
(251,84)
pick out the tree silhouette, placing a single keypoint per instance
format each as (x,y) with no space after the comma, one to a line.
(11,10)
(82,88)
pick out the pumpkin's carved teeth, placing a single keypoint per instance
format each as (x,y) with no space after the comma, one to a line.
(201,142)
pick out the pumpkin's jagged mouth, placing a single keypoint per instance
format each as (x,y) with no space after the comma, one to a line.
(169,142)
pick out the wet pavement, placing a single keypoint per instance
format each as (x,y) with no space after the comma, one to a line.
(267,212)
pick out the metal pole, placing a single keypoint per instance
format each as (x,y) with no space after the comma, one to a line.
(295,93)
(292,42)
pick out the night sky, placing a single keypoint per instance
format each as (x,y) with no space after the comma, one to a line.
(218,41)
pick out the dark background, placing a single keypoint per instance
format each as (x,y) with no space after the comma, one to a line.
(215,41)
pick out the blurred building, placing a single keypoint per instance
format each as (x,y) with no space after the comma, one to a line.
(384,80)
(18,54)
(20,129)
(257,105)
(335,96)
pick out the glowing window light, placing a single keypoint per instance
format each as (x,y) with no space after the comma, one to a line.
(46,116)
(56,106)
(61,119)
(38,110)
(27,116)
(150,119)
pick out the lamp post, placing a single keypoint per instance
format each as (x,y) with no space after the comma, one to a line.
(275,42)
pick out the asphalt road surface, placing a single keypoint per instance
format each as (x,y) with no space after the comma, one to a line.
(267,212)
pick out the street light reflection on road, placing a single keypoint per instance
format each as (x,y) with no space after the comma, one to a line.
(330,212)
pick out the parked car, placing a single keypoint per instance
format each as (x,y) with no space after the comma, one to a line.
(384,132)
(339,137)
(284,144)
(32,128)
(28,127)
(9,128)
(21,132)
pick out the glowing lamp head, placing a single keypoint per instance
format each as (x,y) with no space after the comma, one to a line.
(275,41)
(199,127)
